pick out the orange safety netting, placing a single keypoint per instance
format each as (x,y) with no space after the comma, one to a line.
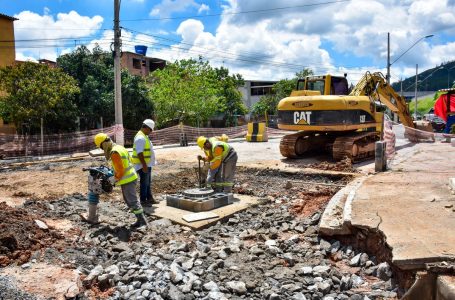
(13,145)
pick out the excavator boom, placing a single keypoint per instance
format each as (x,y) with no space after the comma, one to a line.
(375,84)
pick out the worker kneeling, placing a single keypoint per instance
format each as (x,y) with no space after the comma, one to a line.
(124,176)
(223,161)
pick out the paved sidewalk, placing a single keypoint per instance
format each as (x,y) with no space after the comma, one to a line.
(412,205)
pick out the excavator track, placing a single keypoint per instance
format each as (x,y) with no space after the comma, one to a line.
(357,146)
(299,144)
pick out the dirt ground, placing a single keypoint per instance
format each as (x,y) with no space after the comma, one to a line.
(54,193)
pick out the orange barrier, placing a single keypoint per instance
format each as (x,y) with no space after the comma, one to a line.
(13,145)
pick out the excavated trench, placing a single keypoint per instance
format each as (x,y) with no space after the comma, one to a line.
(413,284)
(374,242)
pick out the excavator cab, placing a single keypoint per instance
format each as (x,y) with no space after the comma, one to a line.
(322,85)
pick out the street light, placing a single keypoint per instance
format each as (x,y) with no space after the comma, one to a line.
(448,75)
(388,52)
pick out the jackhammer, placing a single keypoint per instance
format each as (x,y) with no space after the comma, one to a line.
(100,180)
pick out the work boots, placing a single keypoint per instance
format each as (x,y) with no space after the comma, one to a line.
(91,216)
(140,221)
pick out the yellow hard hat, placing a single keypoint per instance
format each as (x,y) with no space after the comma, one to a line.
(201,141)
(100,138)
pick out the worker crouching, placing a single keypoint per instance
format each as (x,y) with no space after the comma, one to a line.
(223,161)
(124,175)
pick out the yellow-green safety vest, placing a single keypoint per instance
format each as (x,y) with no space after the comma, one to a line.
(226,147)
(147,150)
(130,174)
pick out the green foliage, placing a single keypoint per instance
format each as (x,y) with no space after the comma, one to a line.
(94,72)
(230,102)
(34,91)
(136,102)
(423,105)
(281,89)
(192,91)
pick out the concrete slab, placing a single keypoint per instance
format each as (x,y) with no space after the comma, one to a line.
(199,216)
(412,205)
(240,203)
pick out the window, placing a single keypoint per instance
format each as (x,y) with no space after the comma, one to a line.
(316,85)
(340,86)
(136,63)
(260,91)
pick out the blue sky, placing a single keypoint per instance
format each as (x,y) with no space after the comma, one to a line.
(259,39)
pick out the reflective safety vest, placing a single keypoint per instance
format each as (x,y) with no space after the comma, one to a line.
(130,174)
(226,148)
(221,157)
(147,150)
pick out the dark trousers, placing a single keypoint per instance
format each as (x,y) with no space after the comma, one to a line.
(145,190)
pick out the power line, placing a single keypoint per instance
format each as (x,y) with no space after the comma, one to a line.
(238,13)
(241,57)
(227,55)
(77,29)
(289,66)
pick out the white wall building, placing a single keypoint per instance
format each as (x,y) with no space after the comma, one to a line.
(254,89)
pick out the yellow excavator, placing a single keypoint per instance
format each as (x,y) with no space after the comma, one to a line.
(329,117)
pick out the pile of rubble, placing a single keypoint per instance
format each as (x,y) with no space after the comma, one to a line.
(264,253)
(270,251)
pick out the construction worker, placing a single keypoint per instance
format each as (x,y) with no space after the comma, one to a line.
(144,159)
(223,160)
(124,175)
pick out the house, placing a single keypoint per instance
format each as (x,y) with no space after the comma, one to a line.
(139,64)
(252,91)
(7,56)
(47,62)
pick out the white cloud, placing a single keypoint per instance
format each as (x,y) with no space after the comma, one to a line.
(22,57)
(190,30)
(49,35)
(357,28)
(202,8)
(167,7)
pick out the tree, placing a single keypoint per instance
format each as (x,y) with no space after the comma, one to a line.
(94,72)
(137,105)
(280,90)
(34,91)
(186,90)
(230,103)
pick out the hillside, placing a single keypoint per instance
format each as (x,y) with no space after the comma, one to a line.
(430,80)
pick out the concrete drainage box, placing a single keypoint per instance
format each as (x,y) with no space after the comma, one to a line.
(198,200)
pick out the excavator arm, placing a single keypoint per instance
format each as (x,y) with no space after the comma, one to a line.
(375,86)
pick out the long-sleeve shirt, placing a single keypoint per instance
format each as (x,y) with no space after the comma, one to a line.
(119,170)
(217,158)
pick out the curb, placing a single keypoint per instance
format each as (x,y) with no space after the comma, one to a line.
(336,218)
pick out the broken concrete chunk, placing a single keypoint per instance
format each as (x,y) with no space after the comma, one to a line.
(41,224)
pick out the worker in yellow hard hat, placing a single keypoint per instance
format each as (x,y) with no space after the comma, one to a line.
(143,159)
(223,161)
(124,175)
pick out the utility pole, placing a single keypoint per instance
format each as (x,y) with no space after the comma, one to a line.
(415,93)
(388,58)
(119,138)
